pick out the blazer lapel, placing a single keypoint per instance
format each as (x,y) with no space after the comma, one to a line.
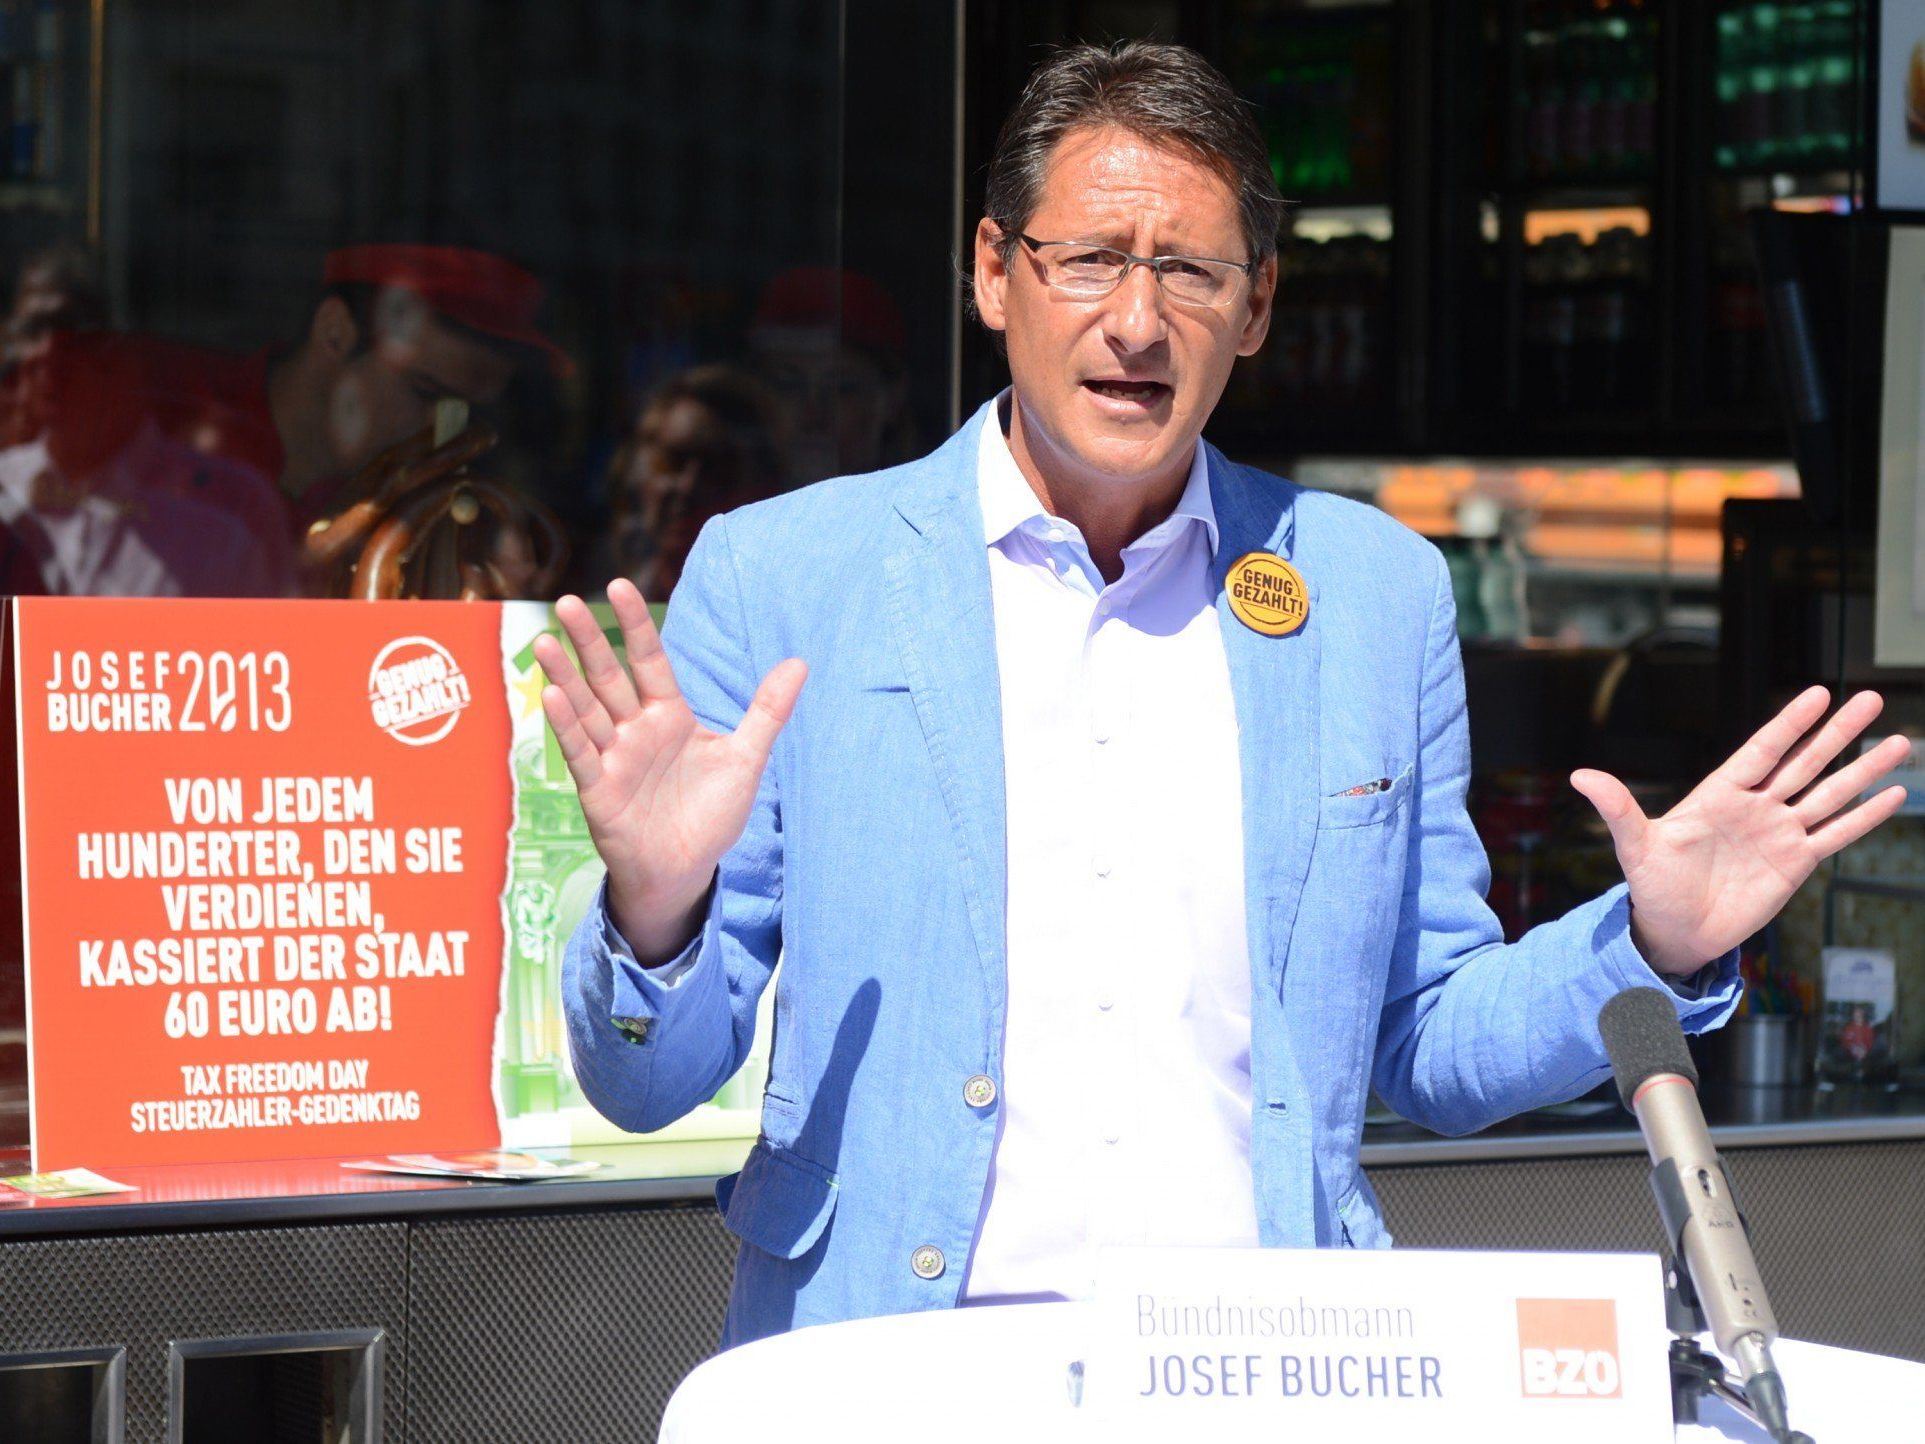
(945,627)
(1275,683)
(941,614)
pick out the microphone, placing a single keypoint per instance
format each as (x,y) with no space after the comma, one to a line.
(1658,1082)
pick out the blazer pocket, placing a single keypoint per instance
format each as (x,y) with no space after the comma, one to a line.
(1371,801)
(778,1202)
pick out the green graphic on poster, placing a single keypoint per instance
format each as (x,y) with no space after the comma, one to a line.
(553,875)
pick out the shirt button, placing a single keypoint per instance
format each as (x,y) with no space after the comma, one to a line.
(1103,607)
(1102,867)
(980,1091)
(927,1262)
(1111,1137)
(1056,533)
(1106,1003)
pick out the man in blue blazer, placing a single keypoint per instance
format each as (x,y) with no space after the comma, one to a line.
(1117,846)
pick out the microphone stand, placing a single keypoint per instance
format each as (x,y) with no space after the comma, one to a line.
(1695,1374)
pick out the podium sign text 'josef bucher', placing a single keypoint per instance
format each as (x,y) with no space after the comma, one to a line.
(1232,1344)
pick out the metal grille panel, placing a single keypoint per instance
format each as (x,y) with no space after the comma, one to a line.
(145,1290)
(568,1327)
(1844,1265)
(576,1326)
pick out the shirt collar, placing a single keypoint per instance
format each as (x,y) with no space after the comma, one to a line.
(1008,502)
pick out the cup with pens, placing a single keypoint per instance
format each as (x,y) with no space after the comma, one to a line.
(1767,1035)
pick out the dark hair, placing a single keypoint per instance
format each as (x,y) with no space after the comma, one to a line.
(1165,93)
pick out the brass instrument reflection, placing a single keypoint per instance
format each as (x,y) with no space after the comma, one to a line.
(131,465)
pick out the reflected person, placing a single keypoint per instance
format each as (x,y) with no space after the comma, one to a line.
(829,345)
(702,444)
(136,466)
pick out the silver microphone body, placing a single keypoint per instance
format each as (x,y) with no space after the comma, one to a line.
(1716,1250)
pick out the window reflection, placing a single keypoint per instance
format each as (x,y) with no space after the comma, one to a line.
(134,465)
(830,346)
(702,444)
(453,299)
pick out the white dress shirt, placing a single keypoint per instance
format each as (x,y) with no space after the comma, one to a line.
(1125,1088)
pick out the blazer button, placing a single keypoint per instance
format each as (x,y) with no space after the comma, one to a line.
(927,1261)
(980,1091)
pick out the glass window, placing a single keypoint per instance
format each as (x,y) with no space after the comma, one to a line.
(451,297)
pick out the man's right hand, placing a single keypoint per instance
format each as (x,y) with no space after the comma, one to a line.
(664,796)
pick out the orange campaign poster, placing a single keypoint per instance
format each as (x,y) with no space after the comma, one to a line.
(264,851)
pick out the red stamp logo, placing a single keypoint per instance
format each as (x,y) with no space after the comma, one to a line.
(416,691)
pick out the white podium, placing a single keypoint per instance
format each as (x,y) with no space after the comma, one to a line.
(1002,1375)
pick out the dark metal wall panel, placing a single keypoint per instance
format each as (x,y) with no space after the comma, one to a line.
(563,1327)
(144,1291)
(576,1326)
(1839,1230)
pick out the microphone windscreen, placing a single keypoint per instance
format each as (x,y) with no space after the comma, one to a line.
(1641,1033)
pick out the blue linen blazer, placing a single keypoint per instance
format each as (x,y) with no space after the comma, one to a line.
(873,863)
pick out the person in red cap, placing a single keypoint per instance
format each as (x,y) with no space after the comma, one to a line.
(133,466)
(829,344)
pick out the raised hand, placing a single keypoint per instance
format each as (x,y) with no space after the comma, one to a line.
(1719,865)
(664,796)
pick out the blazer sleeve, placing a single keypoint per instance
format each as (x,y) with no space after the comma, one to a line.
(649,1044)
(1473,1029)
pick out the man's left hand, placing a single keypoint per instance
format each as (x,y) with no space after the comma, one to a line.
(1718,866)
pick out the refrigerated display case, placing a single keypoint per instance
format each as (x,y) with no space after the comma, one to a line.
(1614,188)
(1519,225)
(1782,131)
(1324,85)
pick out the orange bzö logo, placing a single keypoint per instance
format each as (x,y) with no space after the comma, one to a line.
(1568,1348)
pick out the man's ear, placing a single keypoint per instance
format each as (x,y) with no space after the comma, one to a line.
(332,332)
(1263,297)
(991,275)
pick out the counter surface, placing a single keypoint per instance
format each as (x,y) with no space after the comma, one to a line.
(1598,1123)
(310,1189)
(306,1190)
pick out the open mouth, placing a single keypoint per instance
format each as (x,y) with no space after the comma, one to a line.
(1136,393)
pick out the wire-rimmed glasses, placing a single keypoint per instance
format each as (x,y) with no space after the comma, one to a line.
(1090,272)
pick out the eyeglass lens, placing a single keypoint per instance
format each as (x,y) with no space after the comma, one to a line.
(1096,272)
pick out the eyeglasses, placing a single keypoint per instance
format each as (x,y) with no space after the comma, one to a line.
(1076,268)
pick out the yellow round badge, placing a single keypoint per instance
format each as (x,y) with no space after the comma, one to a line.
(1267,594)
